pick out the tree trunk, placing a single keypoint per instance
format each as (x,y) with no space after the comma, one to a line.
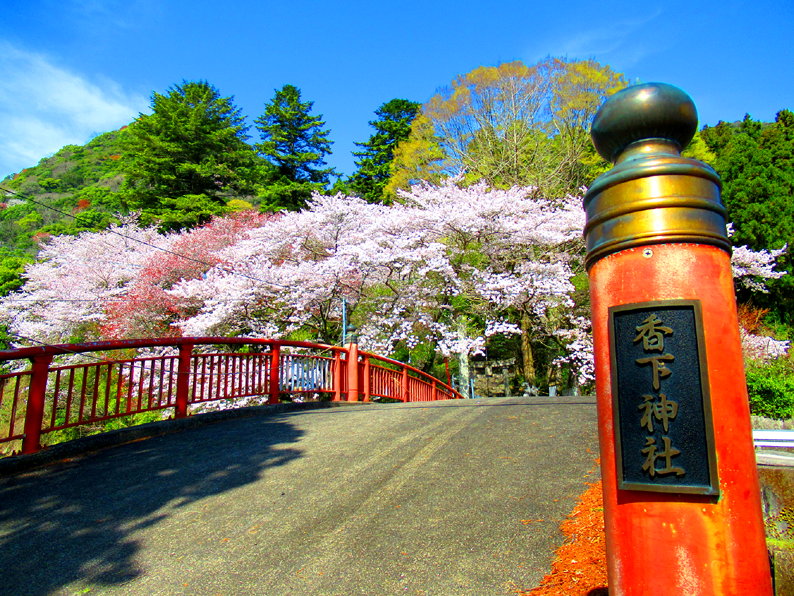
(526,351)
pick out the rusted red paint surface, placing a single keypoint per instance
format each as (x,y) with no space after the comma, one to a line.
(683,544)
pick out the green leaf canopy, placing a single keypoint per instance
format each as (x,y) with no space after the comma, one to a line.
(392,126)
(182,162)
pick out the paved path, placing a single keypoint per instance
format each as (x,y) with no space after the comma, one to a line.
(372,499)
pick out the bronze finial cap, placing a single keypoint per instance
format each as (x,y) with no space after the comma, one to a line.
(351,335)
(652,195)
(641,112)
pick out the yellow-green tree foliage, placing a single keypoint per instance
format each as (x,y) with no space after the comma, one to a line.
(698,149)
(419,158)
(515,124)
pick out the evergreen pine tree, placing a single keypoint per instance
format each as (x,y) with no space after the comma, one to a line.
(392,127)
(183,161)
(756,164)
(295,143)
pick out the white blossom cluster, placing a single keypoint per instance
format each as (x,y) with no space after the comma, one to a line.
(411,269)
(67,291)
(762,348)
(579,349)
(751,267)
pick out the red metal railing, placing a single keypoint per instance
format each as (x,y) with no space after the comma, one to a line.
(50,397)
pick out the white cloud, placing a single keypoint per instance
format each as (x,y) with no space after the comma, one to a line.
(110,15)
(44,107)
(617,38)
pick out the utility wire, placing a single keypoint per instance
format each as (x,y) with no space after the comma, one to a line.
(187,258)
(210,265)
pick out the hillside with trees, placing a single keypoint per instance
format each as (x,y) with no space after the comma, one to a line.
(79,181)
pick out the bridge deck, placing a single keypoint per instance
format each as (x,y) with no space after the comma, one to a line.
(420,499)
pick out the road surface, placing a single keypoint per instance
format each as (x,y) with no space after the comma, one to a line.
(447,498)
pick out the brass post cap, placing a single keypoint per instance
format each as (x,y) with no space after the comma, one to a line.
(652,195)
(643,112)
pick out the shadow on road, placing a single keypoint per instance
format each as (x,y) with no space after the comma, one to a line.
(76,520)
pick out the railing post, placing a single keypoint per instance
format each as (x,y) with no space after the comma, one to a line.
(435,392)
(367,388)
(275,372)
(183,380)
(404,386)
(352,372)
(40,367)
(337,376)
(351,337)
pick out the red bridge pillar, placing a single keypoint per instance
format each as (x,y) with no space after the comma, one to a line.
(681,496)
(34,415)
(353,375)
(183,380)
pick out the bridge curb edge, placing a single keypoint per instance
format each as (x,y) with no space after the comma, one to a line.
(78,447)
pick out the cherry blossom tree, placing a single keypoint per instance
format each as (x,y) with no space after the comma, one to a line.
(111,284)
(146,309)
(446,268)
(750,269)
(76,277)
(407,273)
(762,348)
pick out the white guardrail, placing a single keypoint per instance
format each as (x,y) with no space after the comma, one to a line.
(773,438)
(776,439)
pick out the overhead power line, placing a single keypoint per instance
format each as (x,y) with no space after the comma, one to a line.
(176,254)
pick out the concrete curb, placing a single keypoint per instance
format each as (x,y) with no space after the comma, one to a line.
(774,458)
(22,463)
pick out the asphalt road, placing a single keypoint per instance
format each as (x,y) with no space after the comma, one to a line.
(448,498)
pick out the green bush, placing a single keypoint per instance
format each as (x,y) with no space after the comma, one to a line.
(12,265)
(771,390)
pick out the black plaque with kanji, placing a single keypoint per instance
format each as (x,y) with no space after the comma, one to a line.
(664,435)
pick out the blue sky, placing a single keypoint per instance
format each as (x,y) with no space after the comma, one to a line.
(73,68)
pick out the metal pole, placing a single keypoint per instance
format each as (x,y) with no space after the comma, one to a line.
(344,320)
(682,503)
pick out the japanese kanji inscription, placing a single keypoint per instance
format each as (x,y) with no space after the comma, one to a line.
(664,435)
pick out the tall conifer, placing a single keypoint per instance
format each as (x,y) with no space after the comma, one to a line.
(183,161)
(295,143)
(392,126)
